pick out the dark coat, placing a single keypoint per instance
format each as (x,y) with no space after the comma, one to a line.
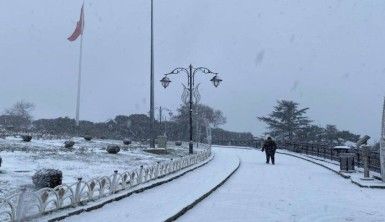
(270,146)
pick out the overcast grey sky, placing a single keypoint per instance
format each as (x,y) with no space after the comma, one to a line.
(326,55)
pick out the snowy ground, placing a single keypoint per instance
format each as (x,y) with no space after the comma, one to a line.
(292,190)
(335,166)
(159,203)
(88,159)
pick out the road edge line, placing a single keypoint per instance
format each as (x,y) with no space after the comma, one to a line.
(124,195)
(200,199)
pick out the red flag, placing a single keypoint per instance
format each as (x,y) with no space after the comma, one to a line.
(79,27)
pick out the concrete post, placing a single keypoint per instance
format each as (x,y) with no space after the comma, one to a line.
(114,182)
(365,160)
(20,205)
(77,196)
(141,175)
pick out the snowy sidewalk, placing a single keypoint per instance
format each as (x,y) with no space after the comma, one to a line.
(293,190)
(164,201)
(334,166)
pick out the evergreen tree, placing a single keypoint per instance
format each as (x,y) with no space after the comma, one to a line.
(312,134)
(287,120)
(331,135)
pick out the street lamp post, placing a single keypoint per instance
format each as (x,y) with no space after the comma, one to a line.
(190,82)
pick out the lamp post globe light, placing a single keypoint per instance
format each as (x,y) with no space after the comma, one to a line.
(165,81)
(191,71)
(216,81)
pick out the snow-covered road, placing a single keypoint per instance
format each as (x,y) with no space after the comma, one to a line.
(164,201)
(291,190)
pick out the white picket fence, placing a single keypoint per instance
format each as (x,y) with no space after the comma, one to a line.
(31,204)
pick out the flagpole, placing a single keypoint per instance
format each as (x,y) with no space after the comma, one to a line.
(80,71)
(152,119)
(382,144)
(79,81)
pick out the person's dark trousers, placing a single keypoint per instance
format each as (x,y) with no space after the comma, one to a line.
(270,155)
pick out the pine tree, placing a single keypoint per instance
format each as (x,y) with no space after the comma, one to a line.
(287,120)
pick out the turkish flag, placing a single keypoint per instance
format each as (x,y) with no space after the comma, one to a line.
(79,27)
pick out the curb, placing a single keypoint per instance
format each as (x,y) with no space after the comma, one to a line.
(117,198)
(335,171)
(319,164)
(200,199)
(367,186)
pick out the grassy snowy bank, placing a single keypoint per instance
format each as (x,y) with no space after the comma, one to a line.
(87,159)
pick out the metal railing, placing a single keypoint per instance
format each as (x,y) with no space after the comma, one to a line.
(31,204)
(249,143)
(327,152)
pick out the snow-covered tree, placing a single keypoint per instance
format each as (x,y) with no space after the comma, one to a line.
(19,115)
(287,120)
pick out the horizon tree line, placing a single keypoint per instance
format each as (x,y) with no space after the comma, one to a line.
(19,119)
(289,122)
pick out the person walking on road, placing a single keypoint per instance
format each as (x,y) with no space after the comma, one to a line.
(269,147)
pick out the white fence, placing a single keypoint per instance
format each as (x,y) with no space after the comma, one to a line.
(30,204)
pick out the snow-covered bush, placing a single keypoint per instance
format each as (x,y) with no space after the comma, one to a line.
(178,143)
(69,144)
(126,141)
(26,138)
(113,149)
(88,138)
(47,178)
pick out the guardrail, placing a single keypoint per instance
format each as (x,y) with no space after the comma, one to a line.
(250,143)
(327,152)
(31,204)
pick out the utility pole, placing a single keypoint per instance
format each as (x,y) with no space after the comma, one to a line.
(162,119)
(160,115)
